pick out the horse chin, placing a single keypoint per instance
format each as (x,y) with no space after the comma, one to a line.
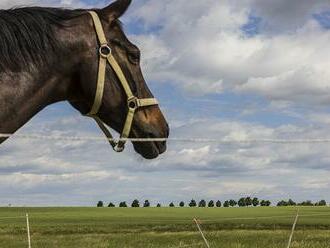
(149,150)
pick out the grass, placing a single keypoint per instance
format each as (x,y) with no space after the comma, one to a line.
(164,227)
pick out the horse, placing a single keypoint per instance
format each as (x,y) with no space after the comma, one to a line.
(49,55)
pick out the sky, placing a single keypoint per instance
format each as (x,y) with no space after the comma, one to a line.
(235,70)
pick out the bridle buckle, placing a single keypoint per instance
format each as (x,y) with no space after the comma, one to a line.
(105,51)
(133,103)
(119,148)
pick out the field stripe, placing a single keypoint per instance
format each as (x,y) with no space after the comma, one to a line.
(14,217)
(267,217)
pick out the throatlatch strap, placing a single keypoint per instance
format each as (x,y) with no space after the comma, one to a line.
(99,88)
(106,131)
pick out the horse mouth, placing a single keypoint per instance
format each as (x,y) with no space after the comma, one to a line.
(149,150)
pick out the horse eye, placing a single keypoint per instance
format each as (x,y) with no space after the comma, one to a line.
(134,57)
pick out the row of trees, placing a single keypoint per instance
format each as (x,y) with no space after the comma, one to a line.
(243,202)
(290,202)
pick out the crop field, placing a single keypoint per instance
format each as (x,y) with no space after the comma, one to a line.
(165,227)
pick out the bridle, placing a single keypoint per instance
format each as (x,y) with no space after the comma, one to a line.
(133,102)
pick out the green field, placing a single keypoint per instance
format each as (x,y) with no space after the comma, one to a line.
(164,227)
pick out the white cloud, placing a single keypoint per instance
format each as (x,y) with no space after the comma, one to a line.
(198,46)
(201,48)
(287,15)
(89,171)
(5,4)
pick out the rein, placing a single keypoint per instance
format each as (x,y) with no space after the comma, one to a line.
(133,102)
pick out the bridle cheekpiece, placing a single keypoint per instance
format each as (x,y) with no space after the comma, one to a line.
(133,102)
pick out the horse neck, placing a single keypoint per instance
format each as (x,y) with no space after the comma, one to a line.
(24,94)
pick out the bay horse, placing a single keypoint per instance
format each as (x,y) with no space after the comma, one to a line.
(49,55)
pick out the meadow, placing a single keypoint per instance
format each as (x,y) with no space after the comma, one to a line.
(165,227)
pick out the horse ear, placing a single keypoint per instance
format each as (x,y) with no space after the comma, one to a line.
(116,9)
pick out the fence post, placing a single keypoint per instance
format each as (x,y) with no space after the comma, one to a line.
(200,230)
(28,230)
(293,229)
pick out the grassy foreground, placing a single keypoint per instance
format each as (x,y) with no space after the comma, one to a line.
(164,227)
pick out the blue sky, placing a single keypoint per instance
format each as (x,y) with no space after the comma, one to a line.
(221,69)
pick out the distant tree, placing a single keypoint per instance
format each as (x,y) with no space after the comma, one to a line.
(146,204)
(306,203)
(232,203)
(135,204)
(226,204)
(172,205)
(265,203)
(248,201)
(255,202)
(211,204)
(159,205)
(242,202)
(181,204)
(111,205)
(282,203)
(322,203)
(192,203)
(202,204)
(291,203)
(218,204)
(268,203)
(123,205)
(100,204)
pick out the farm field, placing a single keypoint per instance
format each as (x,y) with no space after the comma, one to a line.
(164,227)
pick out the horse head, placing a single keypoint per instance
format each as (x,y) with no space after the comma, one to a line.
(117,98)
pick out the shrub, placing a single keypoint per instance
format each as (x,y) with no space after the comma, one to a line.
(123,205)
(202,204)
(192,203)
(135,204)
(282,204)
(242,202)
(146,204)
(264,203)
(255,202)
(232,203)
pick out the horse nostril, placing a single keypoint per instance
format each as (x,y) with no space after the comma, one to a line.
(151,135)
(167,130)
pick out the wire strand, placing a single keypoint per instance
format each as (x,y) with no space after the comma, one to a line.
(180,140)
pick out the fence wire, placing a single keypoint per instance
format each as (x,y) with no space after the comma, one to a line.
(179,140)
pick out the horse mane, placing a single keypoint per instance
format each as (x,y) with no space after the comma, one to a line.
(27,35)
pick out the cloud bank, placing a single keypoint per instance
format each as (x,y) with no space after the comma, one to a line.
(224,69)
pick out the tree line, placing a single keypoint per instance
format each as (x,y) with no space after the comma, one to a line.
(242,202)
(309,203)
